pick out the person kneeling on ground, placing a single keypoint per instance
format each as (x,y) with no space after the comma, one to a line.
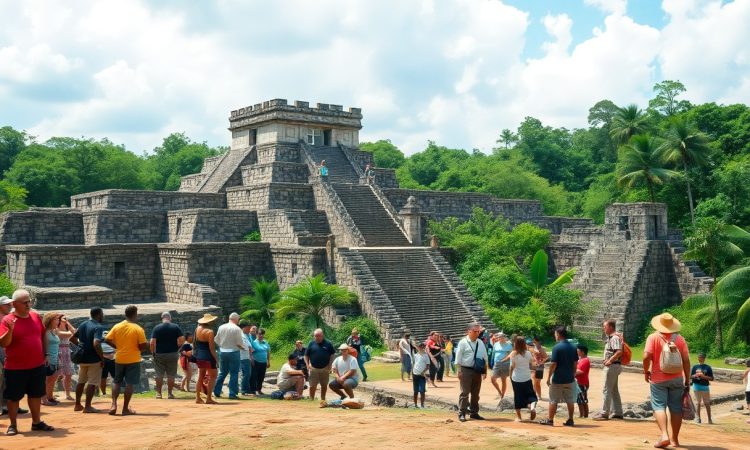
(289,378)
(347,378)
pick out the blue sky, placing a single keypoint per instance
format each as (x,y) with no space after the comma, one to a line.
(452,71)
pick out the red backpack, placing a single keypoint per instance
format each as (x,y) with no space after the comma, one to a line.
(627,352)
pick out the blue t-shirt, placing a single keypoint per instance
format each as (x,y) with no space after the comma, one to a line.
(700,384)
(260,351)
(323,171)
(566,357)
(53,348)
(501,350)
(86,333)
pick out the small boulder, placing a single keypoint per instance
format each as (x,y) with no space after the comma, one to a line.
(380,399)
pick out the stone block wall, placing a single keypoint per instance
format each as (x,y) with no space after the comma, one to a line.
(191,183)
(127,269)
(293,227)
(440,205)
(641,220)
(386,178)
(42,226)
(655,288)
(565,256)
(119,226)
(185,269)
(210,163)
(210,225)
(64,297)
(558,224)
(582,235)
(146,200)
(293,264)
(279,172)
(271,196)
(359,157)
(285,152)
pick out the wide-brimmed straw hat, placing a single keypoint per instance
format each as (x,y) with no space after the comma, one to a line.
(665,323)
(207,318)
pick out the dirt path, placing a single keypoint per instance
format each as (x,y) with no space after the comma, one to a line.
(268,424)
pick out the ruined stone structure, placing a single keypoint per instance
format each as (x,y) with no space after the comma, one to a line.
(185,251)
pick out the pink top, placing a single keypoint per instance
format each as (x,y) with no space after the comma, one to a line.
(654,344)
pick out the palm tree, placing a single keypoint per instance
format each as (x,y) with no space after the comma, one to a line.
(259,305)
(310,298)
(640,161)
(685,145)
(507,138)
(628,121)
(714,243)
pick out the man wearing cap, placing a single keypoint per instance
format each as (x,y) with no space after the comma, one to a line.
(701,376)
(230,341)
(318,359)
(612,369)
(666,384)
(166,340)
(347,377)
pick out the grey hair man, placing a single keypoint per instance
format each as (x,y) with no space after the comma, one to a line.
(612,404)
(471,366)
(230,341)
(166,340)
(6,304)
(318,359)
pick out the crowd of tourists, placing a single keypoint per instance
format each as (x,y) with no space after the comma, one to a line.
(38,351)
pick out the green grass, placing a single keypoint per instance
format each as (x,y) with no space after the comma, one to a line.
(596,349)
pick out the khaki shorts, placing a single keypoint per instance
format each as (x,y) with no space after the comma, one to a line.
(562,393)
(319,376)
(290,384)
(90,374)
(702,397)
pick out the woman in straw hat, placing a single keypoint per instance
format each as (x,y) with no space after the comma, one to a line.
(667,384)
(205,357)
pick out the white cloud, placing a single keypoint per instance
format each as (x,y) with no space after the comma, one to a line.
(455,72)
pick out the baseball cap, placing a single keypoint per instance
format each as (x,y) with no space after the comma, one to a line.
(4,300)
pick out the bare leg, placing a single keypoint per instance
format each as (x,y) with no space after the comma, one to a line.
(12,411)
(79,394)
(102,387)
(338,391)
(349,391)
(35,406)
(421,397)
(504,389)
(708,411)
(552,411)
(661,422)
(676,422)
(90,391)
(493,380)
(300,386)
(212,374)
(170,387)
(126,403)
(312,391)
(518,415)
(571,410)
(159,381)
(199,385)
(324,389)
(415,399)
(115,395)
(67,383)
(50,388)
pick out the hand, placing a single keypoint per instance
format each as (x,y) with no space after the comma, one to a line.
(647,376)
(11,324)
(46,361)
(549,381)
(607,363)
(484,376)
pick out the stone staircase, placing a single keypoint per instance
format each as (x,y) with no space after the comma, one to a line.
(340,169)
(311,227)
(227,172)
(417,291)
(378,228)
(690,277)
(609,273)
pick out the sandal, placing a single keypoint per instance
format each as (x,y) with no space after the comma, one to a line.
(12,431)
(546,422)
(41,426)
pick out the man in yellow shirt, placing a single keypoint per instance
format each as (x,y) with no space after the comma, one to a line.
(128,340)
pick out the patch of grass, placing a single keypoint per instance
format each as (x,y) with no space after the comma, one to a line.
(378,371)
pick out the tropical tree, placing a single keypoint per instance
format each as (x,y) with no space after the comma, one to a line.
(715,243)
(537,278)
(666,101)
(309,299)
(686,146)
(627,122)
(259,305)
(507,138)
(640,161)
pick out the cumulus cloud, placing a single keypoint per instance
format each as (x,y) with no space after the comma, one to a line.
(455,72)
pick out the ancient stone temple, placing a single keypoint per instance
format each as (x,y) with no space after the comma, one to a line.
(186,251)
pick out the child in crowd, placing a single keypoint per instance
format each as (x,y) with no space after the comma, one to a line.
(746,380)
(186,362)
(420,368)
(582,378)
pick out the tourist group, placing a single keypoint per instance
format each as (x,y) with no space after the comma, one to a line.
(37,351)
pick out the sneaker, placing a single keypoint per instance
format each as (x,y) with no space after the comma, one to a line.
(547,422)
(617,416)
(600,416)
(697,420)
(476,417)
(462,417)
(569,423)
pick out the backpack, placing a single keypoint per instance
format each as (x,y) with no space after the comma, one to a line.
(366,352)
(627,352)
(670,360)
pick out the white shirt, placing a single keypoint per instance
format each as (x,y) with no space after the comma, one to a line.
(343,366)
(521,369)
(465,352)
(245,353)
(284,373)
(229,338)
(421,363)
(405,347)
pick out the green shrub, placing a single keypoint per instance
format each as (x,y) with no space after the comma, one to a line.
(367,328)
(6,285)
(282,334)
(253,236)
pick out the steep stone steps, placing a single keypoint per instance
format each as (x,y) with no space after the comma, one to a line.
(227,172)
(377,227)
(340,169)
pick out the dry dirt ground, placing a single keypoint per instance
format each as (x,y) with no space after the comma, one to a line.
(270,424)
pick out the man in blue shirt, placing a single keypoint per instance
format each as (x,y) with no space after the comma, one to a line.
(561,377)
(89,336)
(701,376)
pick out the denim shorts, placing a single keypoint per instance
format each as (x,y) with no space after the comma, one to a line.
(419,383)
(668,394)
